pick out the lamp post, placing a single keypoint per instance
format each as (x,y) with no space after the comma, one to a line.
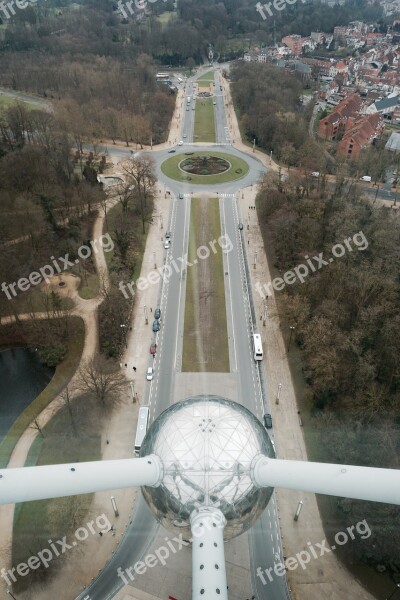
(394,591)
(298,511)
(278,394)
(292,328)
(114,505)
(125,334)
(132,384)
(11,594)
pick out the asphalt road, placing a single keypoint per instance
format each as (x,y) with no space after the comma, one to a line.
(264,538)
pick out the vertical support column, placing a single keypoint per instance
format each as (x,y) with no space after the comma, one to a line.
(208,555)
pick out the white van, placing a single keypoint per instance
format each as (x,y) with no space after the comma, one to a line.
(366,178)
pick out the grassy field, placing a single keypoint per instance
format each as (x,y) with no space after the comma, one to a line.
(204,121)
(36,522)
(206,78)
(7,102)
(166,17)
(205,343)
(238,169)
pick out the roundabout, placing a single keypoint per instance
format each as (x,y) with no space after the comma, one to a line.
(205,167)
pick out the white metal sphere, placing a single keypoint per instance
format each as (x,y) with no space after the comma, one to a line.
(207,445)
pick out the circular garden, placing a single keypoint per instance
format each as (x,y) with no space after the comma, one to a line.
(205,167)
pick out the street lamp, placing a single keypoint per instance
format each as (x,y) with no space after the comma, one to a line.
(12,595)
(278,394)
(392,594)
(292,328)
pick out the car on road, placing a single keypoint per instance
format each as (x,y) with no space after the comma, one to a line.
(168,234)
(180,143)
(167,244)
(366,178)
(153,348)
(214,102)
(268,421)
(187,110)
(171,151)
(184,135)
(149,373)
(156,326)
(181,196)
(193,108)
(157,313)
(240,226)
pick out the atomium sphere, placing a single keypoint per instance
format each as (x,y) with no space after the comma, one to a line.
(207,445)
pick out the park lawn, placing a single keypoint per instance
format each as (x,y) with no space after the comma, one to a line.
(7,102)
(37,522)
(204,121)
(205,343)
(206,78)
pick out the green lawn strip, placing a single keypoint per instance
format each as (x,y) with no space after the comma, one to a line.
(205,345)
(8,102)
(206,78)
(171,169)
(36,522)
(204,121)
(63,374)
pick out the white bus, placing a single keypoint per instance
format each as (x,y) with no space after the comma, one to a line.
(162,76)
(257,347)
(141,429)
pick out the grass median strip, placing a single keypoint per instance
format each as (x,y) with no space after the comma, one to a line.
(205,344)
(204,121)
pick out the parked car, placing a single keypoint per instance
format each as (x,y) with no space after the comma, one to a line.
(157,313)
(153,348)
(167,244)
(180,143)
(214,102)
(171,151)
(156,326)
(184,135)
(268,421)
(366,178)
(168,234)
(315,174)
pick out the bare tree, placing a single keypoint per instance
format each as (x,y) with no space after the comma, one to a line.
(103,379)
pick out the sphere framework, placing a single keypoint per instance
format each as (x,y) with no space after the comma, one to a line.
(207,445)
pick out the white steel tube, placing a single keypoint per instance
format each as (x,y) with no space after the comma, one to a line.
(363,483)
(54,481)
(208,556)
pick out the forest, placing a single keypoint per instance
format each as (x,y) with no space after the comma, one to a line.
(346,328)
(62,27)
